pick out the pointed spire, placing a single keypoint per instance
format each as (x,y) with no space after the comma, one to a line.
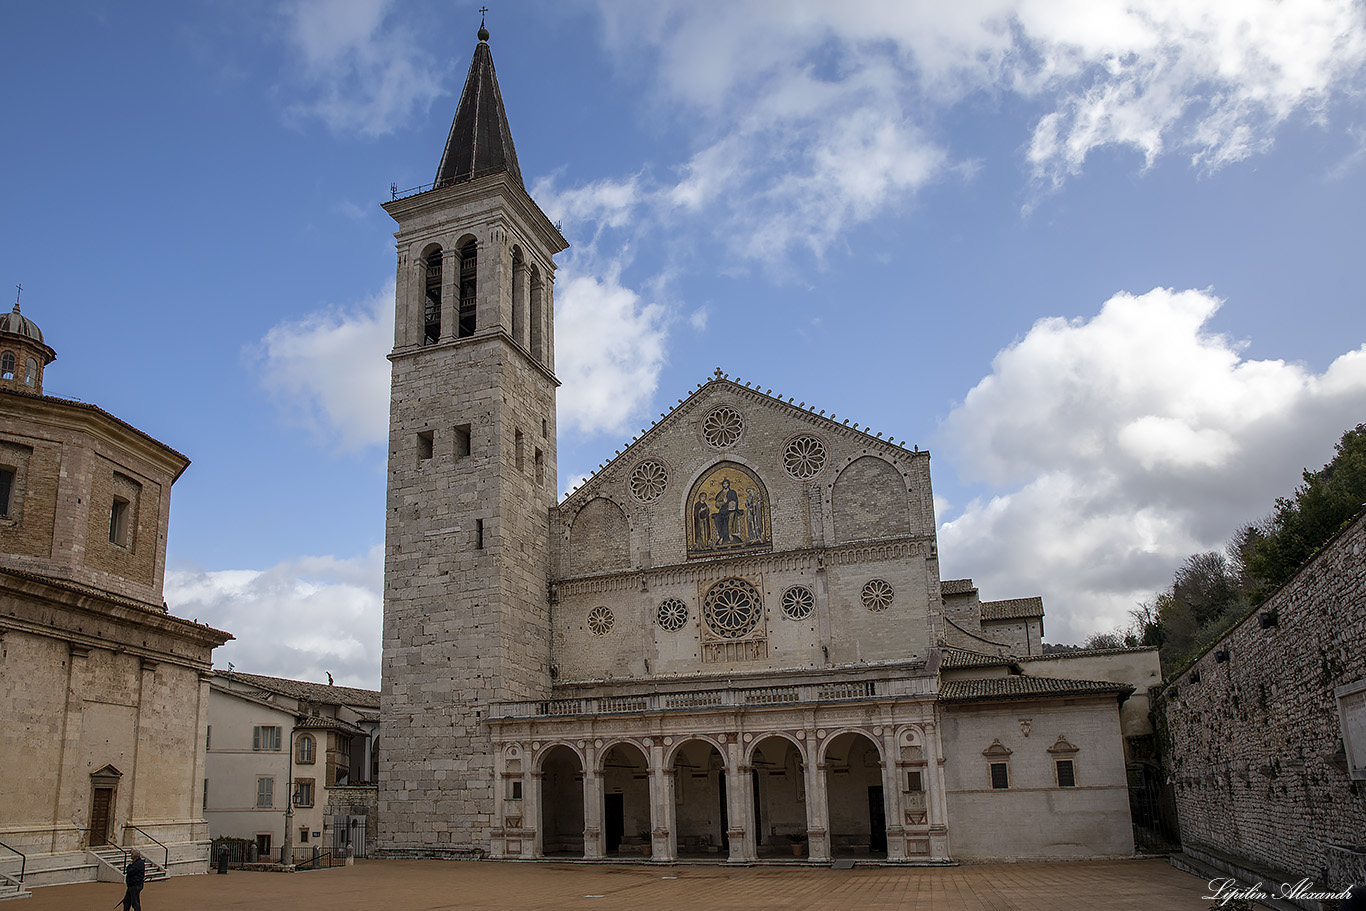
(480,141)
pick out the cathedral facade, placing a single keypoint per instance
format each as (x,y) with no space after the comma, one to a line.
(730,643)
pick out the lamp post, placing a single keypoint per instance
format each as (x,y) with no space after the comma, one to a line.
(287,852)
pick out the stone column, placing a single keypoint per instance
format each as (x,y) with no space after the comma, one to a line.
(548,320)
(521,304)
(592,805)
(670,816)
(450,288)
(817,810)
(937,804)
(661,801)
(892,796)
(498,831)
(67,770)
(533,783)
(738,796)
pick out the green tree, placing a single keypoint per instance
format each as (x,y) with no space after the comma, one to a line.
(1271,551)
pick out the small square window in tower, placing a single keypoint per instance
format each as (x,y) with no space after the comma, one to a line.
(460,446)
(519,448)
(425,441)
(6,491)
(118,522)
(123,511)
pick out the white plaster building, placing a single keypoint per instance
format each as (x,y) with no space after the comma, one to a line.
(290,764)
(731,639)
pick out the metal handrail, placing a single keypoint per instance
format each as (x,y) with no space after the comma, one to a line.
(165,851)
(23,861)
(314,862)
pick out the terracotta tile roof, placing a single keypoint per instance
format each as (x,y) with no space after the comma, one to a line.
(302,689)
(956,586)
(1012,609)
(951,657)
(1088,653)
(324,723)
(1019,687)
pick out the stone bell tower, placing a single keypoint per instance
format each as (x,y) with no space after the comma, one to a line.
(471,478)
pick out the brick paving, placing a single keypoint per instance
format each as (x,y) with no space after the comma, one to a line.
(423,885)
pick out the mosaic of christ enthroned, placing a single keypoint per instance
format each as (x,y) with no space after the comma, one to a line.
(728,512)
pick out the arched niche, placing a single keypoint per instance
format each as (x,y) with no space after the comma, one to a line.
(728,512)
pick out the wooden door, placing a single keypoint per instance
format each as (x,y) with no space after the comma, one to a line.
(101,809)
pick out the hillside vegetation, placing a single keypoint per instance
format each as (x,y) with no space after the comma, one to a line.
(1212,591)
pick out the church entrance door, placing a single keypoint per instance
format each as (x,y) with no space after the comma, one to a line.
(561,803)
(779,796)
(614,820)
(877,821)
(701,817)
(853,772)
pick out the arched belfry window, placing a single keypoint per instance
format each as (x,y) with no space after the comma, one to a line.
(7,365)
(431,302)
(518,295)
(469,288)
(31,373)
(537,315)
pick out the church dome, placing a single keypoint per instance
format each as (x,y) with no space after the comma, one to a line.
(15,323)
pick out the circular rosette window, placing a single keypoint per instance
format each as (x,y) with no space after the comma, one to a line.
(601,621)
(798,602)
(671,615)
(877,595)
(731,608)
(804,457)
(648,480)
(722,427)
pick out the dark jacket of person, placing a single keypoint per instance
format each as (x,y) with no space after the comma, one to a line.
(136,875)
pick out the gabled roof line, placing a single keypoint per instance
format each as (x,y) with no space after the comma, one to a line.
(802,410)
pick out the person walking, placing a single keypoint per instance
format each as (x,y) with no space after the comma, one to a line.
(133,878)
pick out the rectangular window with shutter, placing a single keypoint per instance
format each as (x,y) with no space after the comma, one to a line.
(265,737)
(1000,776)
(1067,774)
(265,793)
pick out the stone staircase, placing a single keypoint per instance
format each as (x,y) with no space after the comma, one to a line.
(12,887)
(116,859)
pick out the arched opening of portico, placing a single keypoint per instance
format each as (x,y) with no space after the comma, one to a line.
(699,796)
(626,824)
(561,803)
(857,815)
(780,797)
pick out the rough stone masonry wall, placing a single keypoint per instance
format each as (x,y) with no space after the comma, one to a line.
(1253,747)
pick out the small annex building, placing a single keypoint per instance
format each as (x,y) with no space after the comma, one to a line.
(104,694)
(290,765)
(731,642)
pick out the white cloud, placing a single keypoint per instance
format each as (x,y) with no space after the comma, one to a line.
(328,371)
(364,70)
(1116,446)
(781,83)
(303,618)
(609,350)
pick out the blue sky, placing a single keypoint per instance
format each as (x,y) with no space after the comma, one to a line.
(1102,258)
